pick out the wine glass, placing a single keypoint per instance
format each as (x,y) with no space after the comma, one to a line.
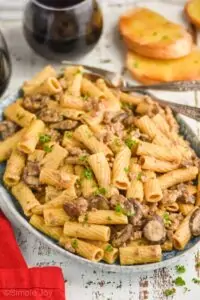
(5,65)
(62,29)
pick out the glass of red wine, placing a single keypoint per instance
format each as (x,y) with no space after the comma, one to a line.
(5,65)
(62,29)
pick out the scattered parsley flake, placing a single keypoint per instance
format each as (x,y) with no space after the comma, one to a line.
(165,37)
(169,292)
(139,176)
(20,116)
(109,218)
(197,265)
(180,269)
(83,158)
(136,64)
(68,134)
(48,149)
(126,170)
(85,97)
(87,173)
(196,280)
(168,222)
(86,218)
(117,142)
(179,281)
(186,289)
(74,244)
(100,191)
(109,248)
(130,143)
(126,105)
(44,138)
(118,208)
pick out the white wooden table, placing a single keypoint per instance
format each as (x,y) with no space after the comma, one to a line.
(81,282)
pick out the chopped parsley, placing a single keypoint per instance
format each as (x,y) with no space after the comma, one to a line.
(108,248)
(109,218)
(83,158)
(179,281)
(74,244)
(44,138)
(136,65)
(180,269)
(117,142)
(87,173)
(20,116)
(139,176)
(100,191)
(169,292)
(118,209)
(196,280)
(126,170)
(130,143)
(186,289)
(48,149)
(126,105)
(68,134)
(197,265)
(168,222)
(85,97)
(85,218)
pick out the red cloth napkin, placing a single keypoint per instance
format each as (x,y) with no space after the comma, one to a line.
(19,282)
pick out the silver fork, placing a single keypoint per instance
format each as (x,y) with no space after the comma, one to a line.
(116,80)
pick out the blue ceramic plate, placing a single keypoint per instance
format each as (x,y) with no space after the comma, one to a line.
(12,209)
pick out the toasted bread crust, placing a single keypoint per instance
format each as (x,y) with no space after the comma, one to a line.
(151,41)
(188,11)
(151,71)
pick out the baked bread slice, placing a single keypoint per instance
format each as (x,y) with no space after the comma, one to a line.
(150,71)
(192,10)
(151,35)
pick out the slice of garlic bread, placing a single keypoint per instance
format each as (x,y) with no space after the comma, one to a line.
(150,34)
(192,10)
(149,71)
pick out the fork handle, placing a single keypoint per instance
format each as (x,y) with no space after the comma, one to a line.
(186,110)
(175,86)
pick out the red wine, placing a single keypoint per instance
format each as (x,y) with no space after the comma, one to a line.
(59,3)
(63,34)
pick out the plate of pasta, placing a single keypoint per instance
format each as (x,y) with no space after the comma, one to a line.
(100,175)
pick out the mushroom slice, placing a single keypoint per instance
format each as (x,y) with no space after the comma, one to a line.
(195,222)
(154,231)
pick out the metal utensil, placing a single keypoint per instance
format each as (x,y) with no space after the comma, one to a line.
(116,80)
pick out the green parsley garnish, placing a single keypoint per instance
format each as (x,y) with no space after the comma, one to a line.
(85,218)
(139,176)
(20,116)
(108,248)
(100,191)
(117,142)
(48,149)
(126,105)
(186,289)
(136,65)
(118,208)
(85,97)
(179,281)
(197,265)
(130,143)
(180,269)
(109,218)
(126,170)
(169,292)
(44,138)
(68,134)
(196,280)
(167,220)
(74,244)
(83,158)
(87,173)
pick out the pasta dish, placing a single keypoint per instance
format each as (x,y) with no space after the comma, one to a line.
(104,173)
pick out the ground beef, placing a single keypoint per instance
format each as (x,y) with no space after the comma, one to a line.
(7,128)
(170,196)
(35,103)
(76,208)
(137,220)
(31,175)
(55,135)
(185,196)
(93,105)
(65,125)
(50,115)
(116,129)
